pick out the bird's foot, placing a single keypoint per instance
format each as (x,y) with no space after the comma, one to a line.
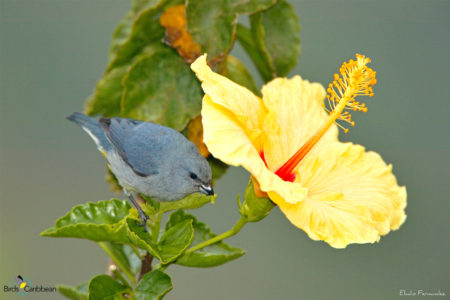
(144,218)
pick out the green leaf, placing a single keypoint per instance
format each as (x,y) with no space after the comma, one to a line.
(235,70)
(191,201)
(137,35)
(150,205)
(175,241)
(104,287)
(256,49)
(101,221)
(273,41)
(251,6)
(107,95)
(138,5)
(218,168)
(126,256)
(145,31)
(161,88)
(133,259)
(79,292)
(212,25)
(210,256)
(171,245)
(141,238)
(153,286)
(121,33)
(282,36)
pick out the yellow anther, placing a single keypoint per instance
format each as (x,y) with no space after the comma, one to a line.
(356,79)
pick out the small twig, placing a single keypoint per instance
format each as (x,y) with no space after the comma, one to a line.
(114,272)
(146,265)
(111,266)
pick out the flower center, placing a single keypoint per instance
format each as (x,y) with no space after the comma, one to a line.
(357,80)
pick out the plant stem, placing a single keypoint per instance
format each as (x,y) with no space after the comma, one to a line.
(146,265)
(236,228)
(118,262)
(146,261)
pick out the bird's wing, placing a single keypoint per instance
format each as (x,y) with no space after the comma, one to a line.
(135,143)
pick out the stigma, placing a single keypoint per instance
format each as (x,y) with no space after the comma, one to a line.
(355,79)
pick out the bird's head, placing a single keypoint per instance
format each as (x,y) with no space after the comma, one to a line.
(193,175)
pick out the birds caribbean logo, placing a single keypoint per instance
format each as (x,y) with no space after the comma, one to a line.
(22,283)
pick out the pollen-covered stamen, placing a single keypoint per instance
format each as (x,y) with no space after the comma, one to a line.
(356,80)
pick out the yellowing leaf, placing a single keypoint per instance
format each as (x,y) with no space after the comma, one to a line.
(195,135)
(174,22)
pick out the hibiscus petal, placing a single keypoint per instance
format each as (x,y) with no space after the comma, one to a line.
(237,99)
(295,114)
(353,196)
(227,140)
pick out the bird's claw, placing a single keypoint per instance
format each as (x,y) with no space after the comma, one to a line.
(144,219)
(143,225)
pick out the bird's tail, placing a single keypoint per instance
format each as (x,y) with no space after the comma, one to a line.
(93,128)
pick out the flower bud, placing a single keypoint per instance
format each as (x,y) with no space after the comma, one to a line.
(254,208)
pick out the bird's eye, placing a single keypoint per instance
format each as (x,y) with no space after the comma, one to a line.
(193,175)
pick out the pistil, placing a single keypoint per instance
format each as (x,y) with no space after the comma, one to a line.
(357,80)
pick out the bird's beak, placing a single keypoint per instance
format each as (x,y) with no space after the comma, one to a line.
(207,190)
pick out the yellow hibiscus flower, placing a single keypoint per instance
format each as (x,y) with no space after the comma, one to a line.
(288,140)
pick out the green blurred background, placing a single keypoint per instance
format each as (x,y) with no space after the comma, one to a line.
(53,52)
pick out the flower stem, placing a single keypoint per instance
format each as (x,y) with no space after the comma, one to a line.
(146,265)
(233,231)
(118,262)
(236,228)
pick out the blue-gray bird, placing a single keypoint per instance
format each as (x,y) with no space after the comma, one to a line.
(148,158)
